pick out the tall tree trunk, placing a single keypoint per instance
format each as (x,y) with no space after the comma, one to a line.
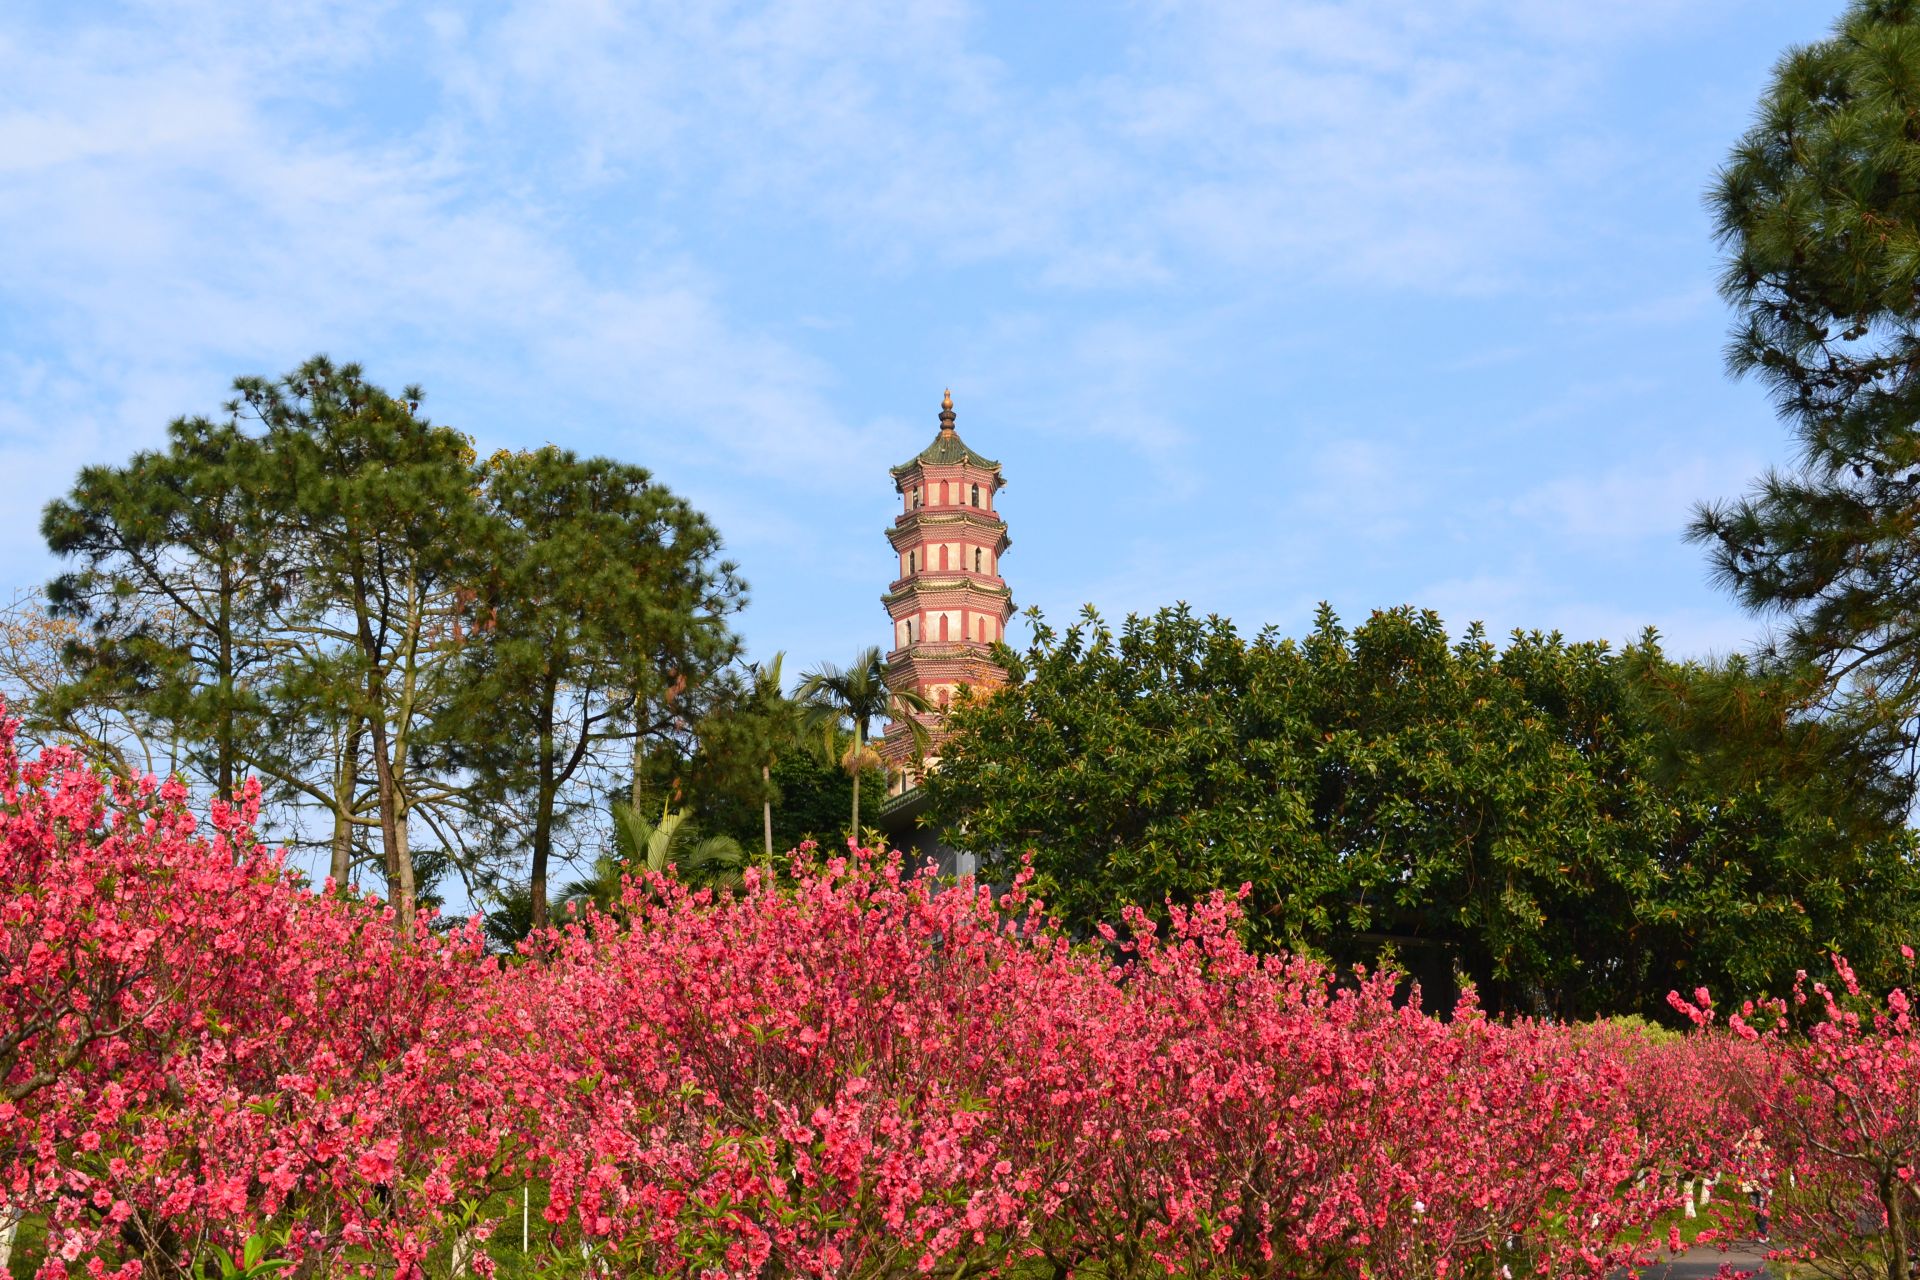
(409,891)
(346,781)
(392,848)
(543,807)
(766,808)
(537,878)
(384,798)
(639,741)
(9,1229)
(340,861)
(857,771)
(392,844)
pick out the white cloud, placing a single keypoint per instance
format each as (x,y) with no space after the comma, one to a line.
(1414,145)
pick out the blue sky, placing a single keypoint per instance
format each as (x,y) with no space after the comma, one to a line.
(1259,303)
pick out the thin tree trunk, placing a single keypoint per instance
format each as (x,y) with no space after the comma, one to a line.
(392,846)
(543,811)
(226,682)
(1892,1195)
(537,878)
(393,832)
(9,1229)
(340,864)
(389,825)
(766,808)
(639,741)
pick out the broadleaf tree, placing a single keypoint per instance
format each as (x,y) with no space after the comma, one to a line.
(1575,829)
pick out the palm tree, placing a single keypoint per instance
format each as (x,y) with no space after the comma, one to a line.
(640,845)
(859,694)
(511,918)
(779,722)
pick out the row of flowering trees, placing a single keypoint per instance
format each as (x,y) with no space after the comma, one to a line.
(207,1069)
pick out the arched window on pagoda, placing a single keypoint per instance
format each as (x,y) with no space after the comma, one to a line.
(943,626)
(976,495)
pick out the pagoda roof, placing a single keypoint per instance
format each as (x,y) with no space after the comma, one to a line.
(947,449)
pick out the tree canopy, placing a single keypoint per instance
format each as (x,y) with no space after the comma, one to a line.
(1575,829)
(605,616)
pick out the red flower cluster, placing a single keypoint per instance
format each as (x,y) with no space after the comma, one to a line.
(848,1074)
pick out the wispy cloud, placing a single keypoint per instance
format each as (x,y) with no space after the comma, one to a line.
(1647,497)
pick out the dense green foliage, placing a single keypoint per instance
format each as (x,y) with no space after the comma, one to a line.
(807,793)
(1819,210)
(1575,829)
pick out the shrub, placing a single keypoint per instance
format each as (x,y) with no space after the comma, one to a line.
(849,1074)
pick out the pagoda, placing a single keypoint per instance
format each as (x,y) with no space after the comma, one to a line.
(949,604)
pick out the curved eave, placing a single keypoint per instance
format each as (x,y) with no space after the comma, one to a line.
(925,587)
(904,533)
(902,811)
(966,460)
(953,659)
(948,515)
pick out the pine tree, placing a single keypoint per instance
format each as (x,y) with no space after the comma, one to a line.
(1819,210)
(378,516)
(604,604)
(327,590)
(175,558)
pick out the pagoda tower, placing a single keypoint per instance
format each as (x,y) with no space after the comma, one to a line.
(949,604)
